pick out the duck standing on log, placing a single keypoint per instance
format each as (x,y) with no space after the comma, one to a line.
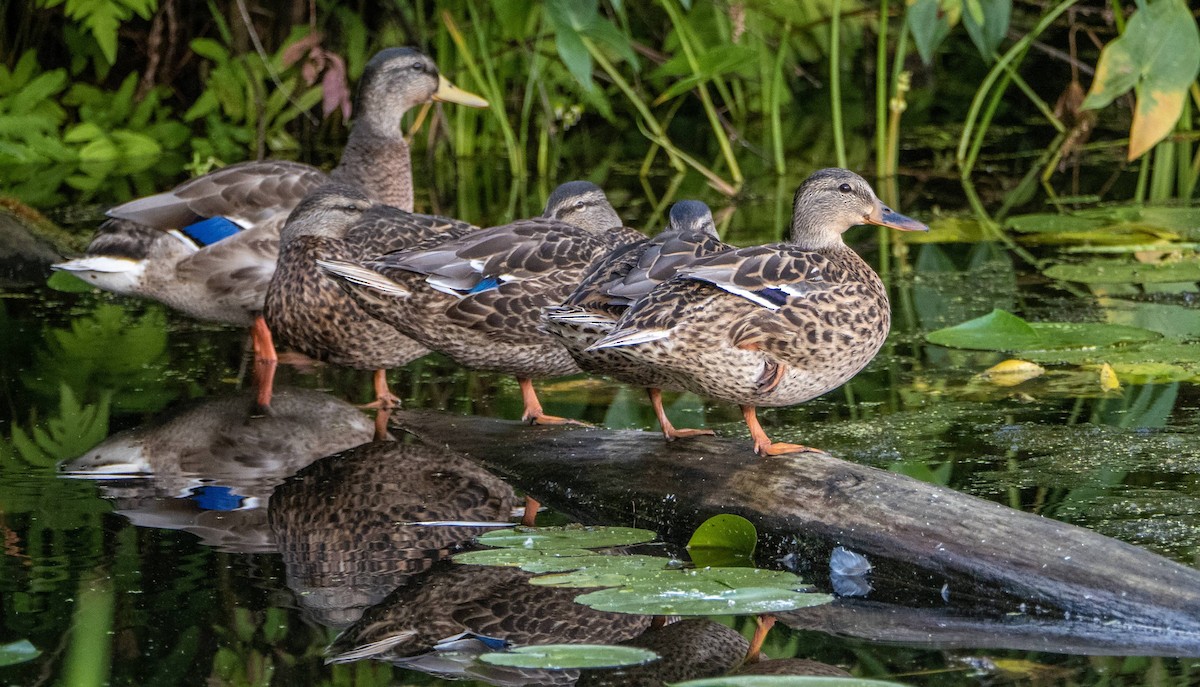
(772,325)
(478,298)
(619,280)
(208,247)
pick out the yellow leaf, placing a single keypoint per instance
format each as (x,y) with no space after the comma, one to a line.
(1108,378)
(1153,119)
(1012,372)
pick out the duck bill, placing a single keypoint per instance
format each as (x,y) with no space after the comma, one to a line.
(894,220)
(449,93)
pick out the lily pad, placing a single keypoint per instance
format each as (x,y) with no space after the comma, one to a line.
(570,657)
(785,681)
(19,651)
(532,560)
(636,574)
(723,540)
(1002,331)
(1121,272)
(608,571)
(567,537)
(699,597)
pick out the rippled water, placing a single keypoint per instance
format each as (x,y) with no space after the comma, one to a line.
(178,577)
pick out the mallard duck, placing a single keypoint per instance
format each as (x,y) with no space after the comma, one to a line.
(307,309)
(616,282)
(772,325)
(340,522)
(208,468)
(477,298)
(473,608)
(207,247)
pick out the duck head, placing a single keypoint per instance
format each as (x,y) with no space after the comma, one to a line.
(691,216)
(831,201)
(398,79)
(582,204)
(329,211)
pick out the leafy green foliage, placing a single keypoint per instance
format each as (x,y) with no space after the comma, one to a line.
(73,431)
(1159,56)
(107,352)
(103,18)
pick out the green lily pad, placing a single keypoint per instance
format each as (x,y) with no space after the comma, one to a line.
(785,681)
(19,651)
(607,571)
(723,540)
(532,560)
(567,537)
(570,657)
(699,597)
(1122,272)
(1003,331)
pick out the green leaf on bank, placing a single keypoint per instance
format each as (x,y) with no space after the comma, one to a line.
(570,657)
(1003,331)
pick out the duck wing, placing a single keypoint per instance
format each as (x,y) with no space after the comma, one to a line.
(247,193)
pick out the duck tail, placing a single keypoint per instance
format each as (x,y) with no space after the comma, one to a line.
(362,276)
(629,337)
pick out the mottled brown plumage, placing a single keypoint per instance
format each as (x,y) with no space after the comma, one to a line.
(689,649)
(309,312)
(215,444)
(491,602)
(340,522)
(477,298)
(142,252)
(617,281)
(791,666)
(772,325)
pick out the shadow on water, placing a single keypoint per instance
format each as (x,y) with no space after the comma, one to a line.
(252,550)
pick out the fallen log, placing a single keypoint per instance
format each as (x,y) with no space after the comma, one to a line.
(931,547)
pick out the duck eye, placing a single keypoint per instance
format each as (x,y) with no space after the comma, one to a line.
(417,67)
(845,188)
(579,205)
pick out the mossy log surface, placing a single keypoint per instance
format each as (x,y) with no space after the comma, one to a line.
(941,559)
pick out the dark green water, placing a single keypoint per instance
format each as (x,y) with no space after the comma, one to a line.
(176,578)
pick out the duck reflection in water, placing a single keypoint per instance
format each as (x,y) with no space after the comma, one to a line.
(339,526)
(210,467)
(439,622)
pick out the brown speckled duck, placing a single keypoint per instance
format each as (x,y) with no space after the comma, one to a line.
(341,525)
(772,325)
(616,282)
(208,247)
(309,312)
(478,298)
(455,607)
